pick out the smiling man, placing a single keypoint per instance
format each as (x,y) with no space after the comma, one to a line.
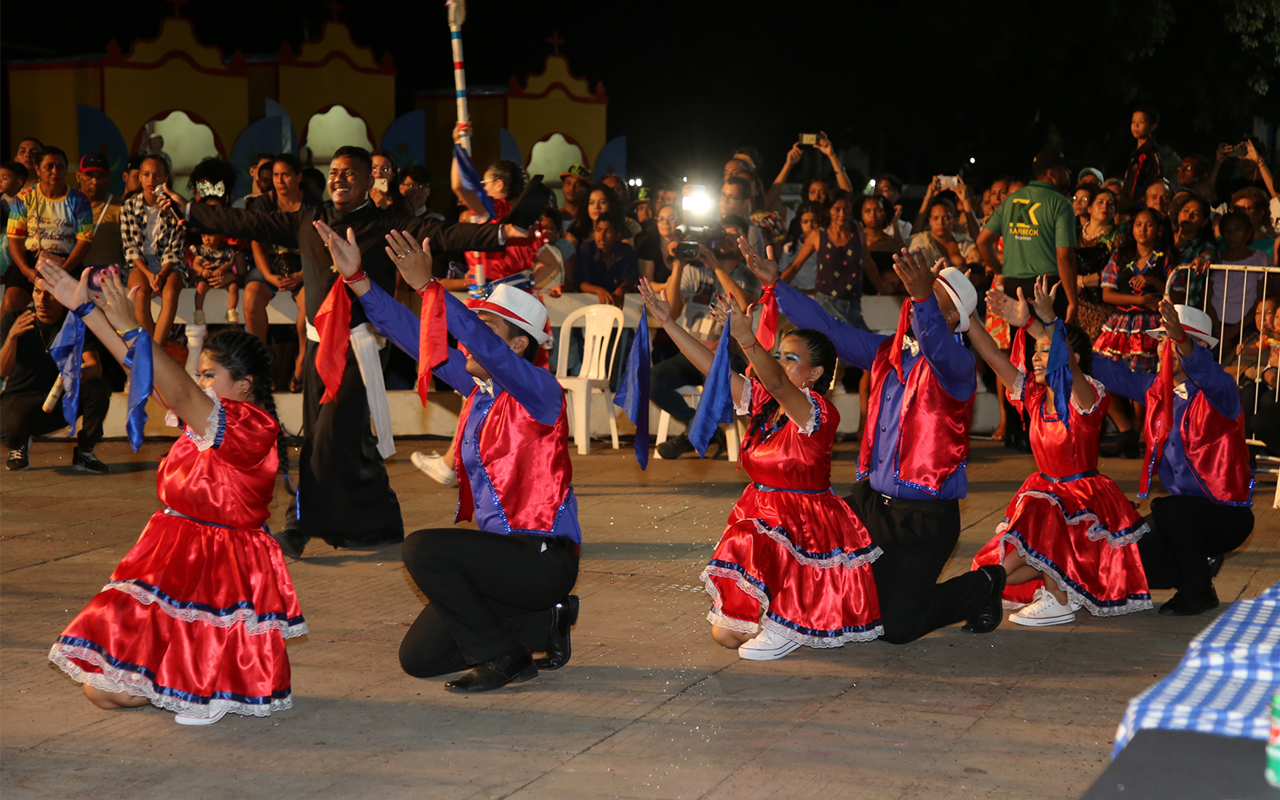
(344,496)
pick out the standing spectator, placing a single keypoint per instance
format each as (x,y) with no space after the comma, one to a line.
(47,217)
(132,184)
(882,242)
(691,291)
(1091,176)
(996,194)
(153,242)
(1080,200)
(656,251)
(1157,196)
(29,373)
(259,178)
(1232,295)
(551,238)
(607,266)
(1192,244)
(386,191)
(28,155)
(964,219)
(841,262)
(1133,283)
(889,186)
(95,180)
(415,187)
(1097,240)
(313,185)
(809,219)
(575,184)
(1252,202)
(1193,176)
(735,201)
(601,201)
(277,267)
(941,239)
(769,222)
(1144,165)
(1040,243)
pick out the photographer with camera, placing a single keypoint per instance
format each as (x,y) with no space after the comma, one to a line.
(697,276)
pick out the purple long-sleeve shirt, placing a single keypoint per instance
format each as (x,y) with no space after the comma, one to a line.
(1203,375)
(534,388)
(951,362)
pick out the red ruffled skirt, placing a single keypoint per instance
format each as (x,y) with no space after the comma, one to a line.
(194,619)
(1124,339)
(798,564)
(1084,535)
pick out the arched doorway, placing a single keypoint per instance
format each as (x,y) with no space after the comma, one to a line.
(552,156)
(327,130)
(183,137)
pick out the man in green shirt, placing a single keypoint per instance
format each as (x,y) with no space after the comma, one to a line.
(1039,230)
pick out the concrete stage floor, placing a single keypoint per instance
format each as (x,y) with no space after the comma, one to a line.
(649,707)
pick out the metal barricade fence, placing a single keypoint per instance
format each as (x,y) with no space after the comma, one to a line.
(1232,292)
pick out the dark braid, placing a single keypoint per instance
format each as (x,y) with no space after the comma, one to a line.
(1081,346)
(822,353)
(243,355)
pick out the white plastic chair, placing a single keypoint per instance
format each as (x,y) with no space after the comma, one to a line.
(693,394)
(601,324)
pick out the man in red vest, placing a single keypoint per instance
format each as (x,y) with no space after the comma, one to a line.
(501,592)
(911,469)
(1195,441)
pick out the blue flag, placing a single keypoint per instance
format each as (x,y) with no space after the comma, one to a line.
(1057,373)
(141,379)
(633,390)
(716,407)
(67,350)
(470,178)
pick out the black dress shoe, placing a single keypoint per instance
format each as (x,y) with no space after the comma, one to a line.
(990,617)
(1181,605)
(366,542)
(291,541)
(496,673)
(564,615)
(1215,564)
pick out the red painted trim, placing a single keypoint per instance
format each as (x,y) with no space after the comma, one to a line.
(241,71)
(294,62)
(586,159)
(368,132)
(516,91)
(217,141)
(102,89)
(598,90)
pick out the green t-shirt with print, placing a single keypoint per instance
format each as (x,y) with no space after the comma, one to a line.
(1035,221)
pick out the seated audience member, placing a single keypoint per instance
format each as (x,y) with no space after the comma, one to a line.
(153,242)
(47,217)
(606,266)
(809,219)
(415,187)
(551,236)
(386,190)
(656,249)
(28,155)
(312,184)
(601,200)
(1091,176)
(1193,176)
(735,201)
(132,183)
(691,291)
(575,183)
(13,176)
(259,179)
(95,181)
(30,372)
(1095,242)
(642,210)
(771,224)
(1191,224)
(941,240)
(1158,197)
(1080,200)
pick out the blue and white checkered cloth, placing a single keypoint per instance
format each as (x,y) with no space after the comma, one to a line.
(1225,682)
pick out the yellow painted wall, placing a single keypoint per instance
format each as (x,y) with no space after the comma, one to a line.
(134,97)
(305,91)
(43,104)
(533,120)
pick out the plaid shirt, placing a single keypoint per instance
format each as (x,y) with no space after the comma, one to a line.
(133,230)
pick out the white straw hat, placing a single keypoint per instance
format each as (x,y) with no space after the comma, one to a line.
(1194,321)
(962,294)
(520,309)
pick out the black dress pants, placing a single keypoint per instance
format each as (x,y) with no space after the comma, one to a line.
(917,537)
(1185,532)
(344,494)
(490,595)
(22,415)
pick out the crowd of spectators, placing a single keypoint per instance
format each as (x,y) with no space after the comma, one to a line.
(1117,243)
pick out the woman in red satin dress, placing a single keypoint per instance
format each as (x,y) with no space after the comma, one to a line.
(1067,522)
(793,566)
(194,618)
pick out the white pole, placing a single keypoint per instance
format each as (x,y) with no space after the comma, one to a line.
(458,15)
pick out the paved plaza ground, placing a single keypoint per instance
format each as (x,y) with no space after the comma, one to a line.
(649,706)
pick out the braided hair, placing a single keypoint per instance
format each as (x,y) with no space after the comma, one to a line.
(243,355)
(822,353)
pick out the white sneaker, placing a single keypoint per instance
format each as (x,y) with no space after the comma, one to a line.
(233,316)
(197,318)
(1044,611)
(768,646)
(433,465)
(187,719)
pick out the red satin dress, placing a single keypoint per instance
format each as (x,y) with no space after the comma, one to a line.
(196,615)
(1068,520)
(793,557)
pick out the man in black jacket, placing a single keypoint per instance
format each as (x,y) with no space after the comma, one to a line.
(344,495)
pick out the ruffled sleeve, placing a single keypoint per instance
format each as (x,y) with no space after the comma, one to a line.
(820,433)
(744,404)
(1100,393)
(211,431)
(247,435)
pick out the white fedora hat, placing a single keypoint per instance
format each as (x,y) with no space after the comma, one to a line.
(1194,321)
(520,309)
(962,294)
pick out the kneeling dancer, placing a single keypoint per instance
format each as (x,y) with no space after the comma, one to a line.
(195,616)
(916,439)
(1195,438)
(502,592)
(793,564)
(1067,522)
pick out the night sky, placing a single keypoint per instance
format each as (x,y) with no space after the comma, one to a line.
(921,87)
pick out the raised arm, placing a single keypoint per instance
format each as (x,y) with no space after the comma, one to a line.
(773,197)
(1201,368)
(698,353)
(1014,312)
(276,227)
(769,371)
(827,149)
(951,362)
(807,249)
(1081,388)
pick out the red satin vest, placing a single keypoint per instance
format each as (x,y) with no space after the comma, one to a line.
(933,430)
(527,462)
(1214,445)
